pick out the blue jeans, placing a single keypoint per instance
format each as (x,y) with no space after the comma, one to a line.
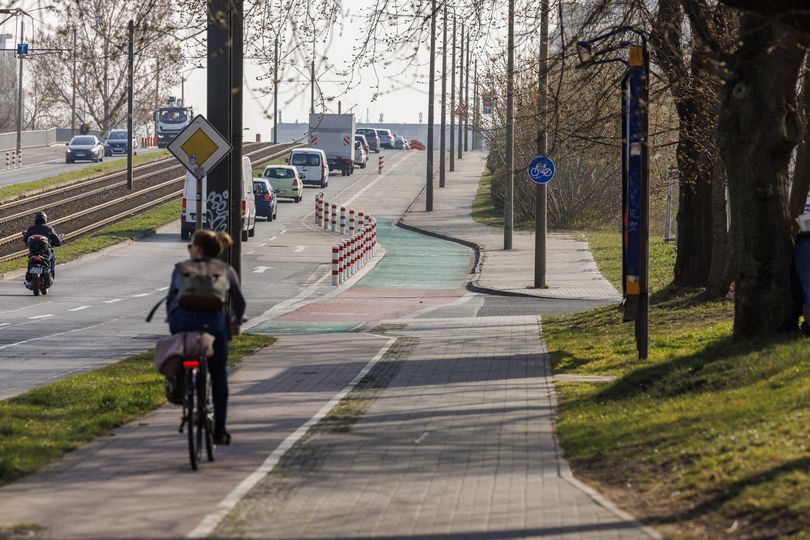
(53,265)
(213,322)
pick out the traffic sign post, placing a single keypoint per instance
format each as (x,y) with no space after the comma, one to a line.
(199,147)
(541,170)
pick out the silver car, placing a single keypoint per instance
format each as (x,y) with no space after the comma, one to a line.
(84,147)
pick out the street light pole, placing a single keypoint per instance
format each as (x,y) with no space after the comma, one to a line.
(443,135)
(460,90)
(509,161)
(130,133)
(541,190)
(467,97)
(237,77)
(453,101)
(73,96)
(275,96)
(20,90)
(431,98)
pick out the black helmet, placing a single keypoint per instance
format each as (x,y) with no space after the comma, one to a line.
(41,217)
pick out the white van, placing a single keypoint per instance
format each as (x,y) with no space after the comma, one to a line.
(188,213)
(311,166)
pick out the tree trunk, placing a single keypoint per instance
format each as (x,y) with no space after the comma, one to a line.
(719,281)
(801,174)
(757,131)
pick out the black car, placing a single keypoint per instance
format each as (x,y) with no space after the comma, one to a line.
(84,147)
(116,143)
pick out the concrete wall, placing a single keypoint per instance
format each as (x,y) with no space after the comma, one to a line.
(43,137)
(289,132)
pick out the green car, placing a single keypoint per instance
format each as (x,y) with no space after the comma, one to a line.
(285,181)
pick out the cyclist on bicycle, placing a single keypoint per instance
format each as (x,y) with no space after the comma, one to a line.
(205,246)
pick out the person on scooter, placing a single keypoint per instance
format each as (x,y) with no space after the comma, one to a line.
(205,246)
(41,227)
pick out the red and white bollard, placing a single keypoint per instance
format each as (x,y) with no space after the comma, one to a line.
(8,160)
(19,159)
(334,217)
(335,264)
(380,164)
(318,208)
(351,221)
(342,220)
(361,220)
(325,215)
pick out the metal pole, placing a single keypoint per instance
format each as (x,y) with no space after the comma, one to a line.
(453,102)
(237,76)
(510,130)
(443,135)
(460,90)
(669,204)
(157,83)
(476,108)
(643,320)
(467,97)
(73,96)
(183,91)
(20,91)
(541,190)
(275,96)
(312,82)
(130,132)
(431,98)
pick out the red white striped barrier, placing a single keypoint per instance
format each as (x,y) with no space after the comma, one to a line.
(8,160)
(351,221)
(334,217)
(380,164)
(359,244)
(325,215)
(19,159)
(342,220)
(335,264)
(318,216)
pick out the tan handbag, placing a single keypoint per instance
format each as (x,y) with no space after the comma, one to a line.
(170,350)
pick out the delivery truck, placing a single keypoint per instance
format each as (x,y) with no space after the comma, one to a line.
(334,134)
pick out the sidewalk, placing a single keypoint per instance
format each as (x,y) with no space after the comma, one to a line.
(571,271)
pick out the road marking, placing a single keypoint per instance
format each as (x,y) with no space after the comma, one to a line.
(41,316)
(26,307)
(4,324)
(262,269)
(140,295)
(282,231)
(421,438)
(368,186)
(299,249)
(270,240)
(210,522)
(113,301)
(39,338)
(162,289)
(79,308)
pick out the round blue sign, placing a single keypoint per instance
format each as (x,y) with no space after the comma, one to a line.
(541,169)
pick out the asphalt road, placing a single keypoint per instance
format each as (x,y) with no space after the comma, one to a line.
(94,314)
(43,162)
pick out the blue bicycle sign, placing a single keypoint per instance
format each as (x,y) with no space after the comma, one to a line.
(541,169)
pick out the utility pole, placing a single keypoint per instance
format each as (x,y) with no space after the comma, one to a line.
(431,98)
(275,95)
(73,96)
(460,90)
(510,130)
(541,190)
(20,90)
(157,83)
(453,101)
(443,135)
(312,81)
(237,78)
(467,96)
(130,133)
(476,108)
(218,76)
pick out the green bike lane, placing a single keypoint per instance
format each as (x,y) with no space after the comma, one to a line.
(417,272)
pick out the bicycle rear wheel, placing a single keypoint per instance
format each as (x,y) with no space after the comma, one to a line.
(208,418)
(192,415)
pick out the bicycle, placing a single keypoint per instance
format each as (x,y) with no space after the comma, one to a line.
(198,412)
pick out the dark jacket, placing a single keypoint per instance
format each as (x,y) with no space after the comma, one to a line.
(237,300)
(43,230)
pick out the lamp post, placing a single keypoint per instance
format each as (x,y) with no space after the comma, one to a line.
(635,174)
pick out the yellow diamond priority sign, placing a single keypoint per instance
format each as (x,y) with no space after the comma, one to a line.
(199,147)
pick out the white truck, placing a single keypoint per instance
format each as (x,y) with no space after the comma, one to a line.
(171,120)
(334,134)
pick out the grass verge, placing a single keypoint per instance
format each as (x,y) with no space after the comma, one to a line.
(97,169)
(111,235)
(708,437)
(43,424)
(483,209)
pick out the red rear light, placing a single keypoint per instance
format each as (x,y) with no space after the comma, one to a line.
(184,204)
(244,207)
(323,168)
(191,363)
(37,258)
(267,197)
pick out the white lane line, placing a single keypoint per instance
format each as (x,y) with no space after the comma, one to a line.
(162,289)
(4,324)
(282,231)
(80,308)
(40,338)
(273,238)
(26,307)
(262,269)
(368,186)
(113,301)
(41,316)
(210,522)
(139,295)
(299,249)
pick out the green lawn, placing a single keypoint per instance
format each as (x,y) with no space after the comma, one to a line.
(484,212)
(97,169)
(707,434)
(43,424)
(109,236)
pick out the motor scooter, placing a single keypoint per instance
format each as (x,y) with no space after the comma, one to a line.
(39,277)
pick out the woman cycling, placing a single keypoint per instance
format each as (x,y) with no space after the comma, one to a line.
(187,313)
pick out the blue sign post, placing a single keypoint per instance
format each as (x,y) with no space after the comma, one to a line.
(541,170)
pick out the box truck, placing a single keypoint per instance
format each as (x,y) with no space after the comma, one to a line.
(334,134)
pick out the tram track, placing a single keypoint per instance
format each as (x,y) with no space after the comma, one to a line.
(107,201)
